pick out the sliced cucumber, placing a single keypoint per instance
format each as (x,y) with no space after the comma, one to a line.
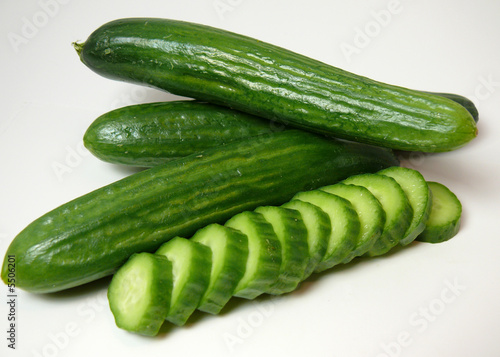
(419,195)
(292,234)
(139,293)
(444,219)
(191,265)
(318,226)
(370,213)
(264,254)
(397,209)
(344,221)
(229,256)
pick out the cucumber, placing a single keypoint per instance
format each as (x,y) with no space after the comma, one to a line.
(344,222)
(229,249)
(274,83)
(419,195)
(139,293)
(292,234)
(91,236)
(264,254)
(463,101)
(318,226)
(398,211)
(153,133)
(445,216)
(191,265)
(369,211)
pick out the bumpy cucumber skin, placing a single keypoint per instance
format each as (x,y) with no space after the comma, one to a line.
(463,101)
(441,233)
(91,236)
(274,83)
(153,133)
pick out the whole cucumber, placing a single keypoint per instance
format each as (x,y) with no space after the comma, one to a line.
(243,73)
(150,134)
(92,235)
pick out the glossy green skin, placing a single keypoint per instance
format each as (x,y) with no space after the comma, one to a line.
(221,67)
(91,236)
(463,101)
(153,133)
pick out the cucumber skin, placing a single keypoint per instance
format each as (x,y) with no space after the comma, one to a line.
(91,236)
(153,133)
(271,82)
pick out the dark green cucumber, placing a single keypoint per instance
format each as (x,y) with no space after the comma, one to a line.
(397,208)
(191,266)
(292,234)
(153,133)
(419,196)
(243,73)
(262,267)
(139,293)
(445,216)
(344,222)
(91,236)
(229,254)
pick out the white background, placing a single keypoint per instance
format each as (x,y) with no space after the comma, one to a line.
(425,300)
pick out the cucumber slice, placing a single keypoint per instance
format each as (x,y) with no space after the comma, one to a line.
(419,195)
(191,264)
(139,293)
(292,234)
(318,227)
(344,221)
(370,213)
(264,254)
(229,256)
(398,212)
(444,219)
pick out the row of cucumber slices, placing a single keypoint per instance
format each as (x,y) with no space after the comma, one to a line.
(273,248)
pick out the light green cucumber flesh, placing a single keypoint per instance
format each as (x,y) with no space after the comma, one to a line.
(229,256)
(370,213)
(264,254)
(139,293)
(419,196)
(344,222)
(191,265)
(292,234)
(445,216)
(318,227)
(395,204)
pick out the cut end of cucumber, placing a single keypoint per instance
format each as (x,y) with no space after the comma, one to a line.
(445,216)
(139,294)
